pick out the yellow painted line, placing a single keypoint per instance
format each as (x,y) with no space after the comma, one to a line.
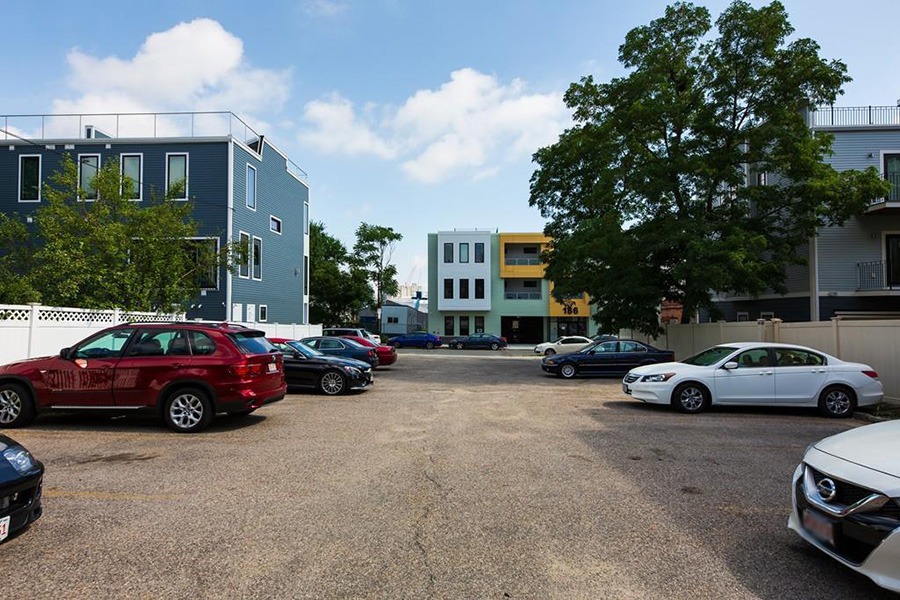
(58,493)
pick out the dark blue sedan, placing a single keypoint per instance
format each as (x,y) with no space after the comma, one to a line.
(416,339)
(20,487)
(613,357)
(336,346)
(479,340)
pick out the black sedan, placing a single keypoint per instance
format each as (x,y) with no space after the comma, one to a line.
(305,367)
(343,347)
(20,487)
(478,340)
(613,357)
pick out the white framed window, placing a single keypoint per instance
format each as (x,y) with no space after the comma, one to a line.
(244,264)
(306,217)
(132,170)
(743,316)
(251,187)
(177,174)
(29,178)
(274,224)
(767,315)
(205,249)
(88,168)
(256,258)
(263,313)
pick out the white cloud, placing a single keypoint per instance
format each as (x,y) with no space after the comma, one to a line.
(470,126)
(193,66)
(324,8)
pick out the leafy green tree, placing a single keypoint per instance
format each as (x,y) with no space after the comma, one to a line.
(338,290)
(647,195)
(373,251)
(94,248)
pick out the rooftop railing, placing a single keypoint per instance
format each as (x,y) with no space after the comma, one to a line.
(75,126)
(854,116)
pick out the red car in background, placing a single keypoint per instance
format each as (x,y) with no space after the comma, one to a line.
(387,355)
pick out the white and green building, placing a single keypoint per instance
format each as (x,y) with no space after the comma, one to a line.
(484,281)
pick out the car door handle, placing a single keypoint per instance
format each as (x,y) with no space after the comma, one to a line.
(767,372)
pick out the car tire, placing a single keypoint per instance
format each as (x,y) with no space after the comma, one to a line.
(188,410)
(495,346)
(429,345)
(690,398)
(549,352)
(332,383)
(398,345)
(16,406)
(837,402)
(568,371)
(459,346)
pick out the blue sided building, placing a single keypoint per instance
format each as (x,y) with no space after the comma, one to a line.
(241,187)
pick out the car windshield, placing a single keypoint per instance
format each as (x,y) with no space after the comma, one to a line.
(352,343)
(252,342)
(710,356)
(304,349)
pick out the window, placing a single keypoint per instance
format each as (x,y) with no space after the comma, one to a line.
(479,324)
(244,264)
(464,288)
(631,347)
(479,252)
(892,174)
(263,313)
(306,217)
(105,345)
(176,176)
(530,250)
(530,283)
(131,176)
(767,315)
(88,168)
(306,274)
(797,357)
(29,178)
(204,253)
(448,252)
(202,343)
(758,357)
(464,252)
(275,225)
(393,320)
(154,342)
(464,326)
(448,325)
(256,259)
(479,289)
(448,288)
(251,187)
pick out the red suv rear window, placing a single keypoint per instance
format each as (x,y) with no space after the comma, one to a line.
(252,342)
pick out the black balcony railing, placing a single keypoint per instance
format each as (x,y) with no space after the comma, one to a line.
(871,275)
(522,295)
(854,116)
(894,180)
(521,262)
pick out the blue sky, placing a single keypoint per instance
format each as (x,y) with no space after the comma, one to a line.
(417,115)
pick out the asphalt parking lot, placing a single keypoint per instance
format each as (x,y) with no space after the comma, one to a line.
(458,475)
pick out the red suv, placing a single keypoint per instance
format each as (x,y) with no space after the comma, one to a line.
(184,372)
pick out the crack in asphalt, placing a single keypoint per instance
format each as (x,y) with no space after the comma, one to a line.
(419,524)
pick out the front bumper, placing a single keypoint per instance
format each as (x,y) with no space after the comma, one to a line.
(867,541)
(550,368)
(364,380)
(651,393)
(20,500)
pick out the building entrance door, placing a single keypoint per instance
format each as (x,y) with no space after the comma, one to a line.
(522,330)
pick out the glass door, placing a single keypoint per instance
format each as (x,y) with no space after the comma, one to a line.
(892,251)
(892,174)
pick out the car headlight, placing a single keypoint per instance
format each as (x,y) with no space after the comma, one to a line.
(20,458)
(657,377)
(352,370)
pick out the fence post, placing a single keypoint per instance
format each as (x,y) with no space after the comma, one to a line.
(776,330)
(32,326)
(836,335)
(116,316)
(761,330)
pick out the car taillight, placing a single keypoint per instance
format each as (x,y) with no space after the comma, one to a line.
(503,339)
(245,370)
(371,354)
(871,374)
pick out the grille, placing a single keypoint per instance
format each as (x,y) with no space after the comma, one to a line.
(847,493)
(631,378)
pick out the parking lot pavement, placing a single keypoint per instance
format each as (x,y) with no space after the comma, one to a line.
(458,475)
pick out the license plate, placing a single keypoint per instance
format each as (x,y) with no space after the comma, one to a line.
(273,367)
(819,526)
(625,388)
(4,528)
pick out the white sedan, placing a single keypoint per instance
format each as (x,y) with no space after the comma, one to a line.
(846,500)
(564,345)
(757,373)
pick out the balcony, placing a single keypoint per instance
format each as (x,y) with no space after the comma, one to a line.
(521,262)
(853,116)
(872,276)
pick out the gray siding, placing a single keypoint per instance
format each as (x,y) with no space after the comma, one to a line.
(281,195)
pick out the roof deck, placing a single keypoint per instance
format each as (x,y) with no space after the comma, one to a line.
(826,117)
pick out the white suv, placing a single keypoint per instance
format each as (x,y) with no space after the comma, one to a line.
(357,331)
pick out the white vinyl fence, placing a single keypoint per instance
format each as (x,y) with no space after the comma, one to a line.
(873,342)
(33,330)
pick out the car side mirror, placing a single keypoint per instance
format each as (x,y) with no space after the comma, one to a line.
(730,366)
(64,353)
(297,355)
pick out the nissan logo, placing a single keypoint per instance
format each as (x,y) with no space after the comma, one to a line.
(827,489)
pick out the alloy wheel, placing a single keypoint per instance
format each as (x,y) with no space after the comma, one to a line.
(186,410)
(10,406)
(691,399)
(837,402)
(332,383)
(567,371)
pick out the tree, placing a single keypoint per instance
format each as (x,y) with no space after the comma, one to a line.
(647,195)
(373,251)
(338,290)
(94,248)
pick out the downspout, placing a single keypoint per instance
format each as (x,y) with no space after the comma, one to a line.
(229,226)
